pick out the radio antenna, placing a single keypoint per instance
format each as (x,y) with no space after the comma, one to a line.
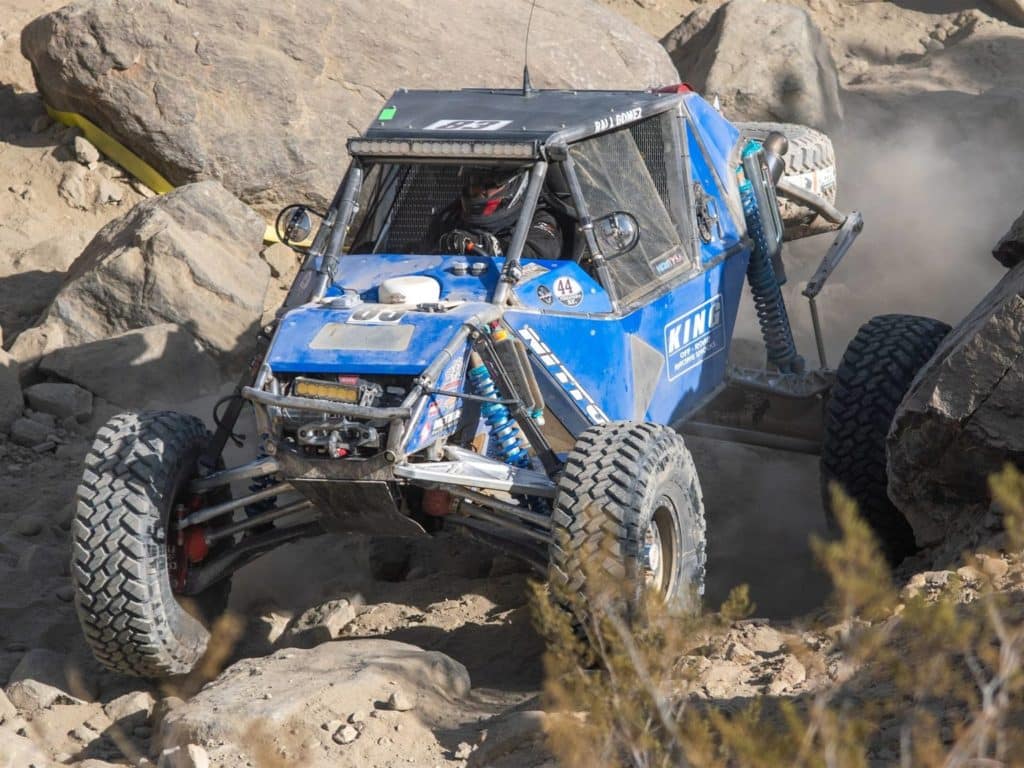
(528,88)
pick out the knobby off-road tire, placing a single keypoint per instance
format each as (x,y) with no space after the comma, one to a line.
(875,374)
(132,620)
(811,164)
(621,482)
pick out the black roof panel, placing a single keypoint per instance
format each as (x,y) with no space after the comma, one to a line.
(508,114)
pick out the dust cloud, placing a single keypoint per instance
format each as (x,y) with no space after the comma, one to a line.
(936,192)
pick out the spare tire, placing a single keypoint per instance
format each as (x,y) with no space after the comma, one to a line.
(811,165)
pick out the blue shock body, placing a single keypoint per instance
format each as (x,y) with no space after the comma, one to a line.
(764,285)
(506,443)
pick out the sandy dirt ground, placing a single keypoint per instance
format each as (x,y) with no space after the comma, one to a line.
(929,152)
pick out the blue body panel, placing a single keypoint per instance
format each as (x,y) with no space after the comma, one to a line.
(599,356)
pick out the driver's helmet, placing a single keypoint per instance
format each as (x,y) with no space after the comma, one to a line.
(492,197)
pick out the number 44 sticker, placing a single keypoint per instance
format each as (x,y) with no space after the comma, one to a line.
(568,291)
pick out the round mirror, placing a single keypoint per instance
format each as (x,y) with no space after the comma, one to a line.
(617,233)
(293,225)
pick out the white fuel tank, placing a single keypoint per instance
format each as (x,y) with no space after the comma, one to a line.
(411,289)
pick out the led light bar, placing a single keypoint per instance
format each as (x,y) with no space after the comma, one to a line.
(326,390)
(499,150)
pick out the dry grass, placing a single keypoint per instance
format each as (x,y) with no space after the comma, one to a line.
(926,680)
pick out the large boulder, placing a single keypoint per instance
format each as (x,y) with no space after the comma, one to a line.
(190,257)
(1009,251)
(263,97)
(963,418)
(336,704)
(1014,10)
(765,61)
(138,369)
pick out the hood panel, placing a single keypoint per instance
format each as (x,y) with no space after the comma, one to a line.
(371,338)
(363,274)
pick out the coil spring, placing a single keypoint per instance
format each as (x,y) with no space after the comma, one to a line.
(506,441)
(764,287)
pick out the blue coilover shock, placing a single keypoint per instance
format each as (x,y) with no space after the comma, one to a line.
(506,441)
(764,286)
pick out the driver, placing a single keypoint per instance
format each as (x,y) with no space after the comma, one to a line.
(481,221)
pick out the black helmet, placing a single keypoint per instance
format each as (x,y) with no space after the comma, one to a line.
(492,197)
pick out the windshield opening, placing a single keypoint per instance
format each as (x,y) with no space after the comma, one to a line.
(410,207)
(627,170)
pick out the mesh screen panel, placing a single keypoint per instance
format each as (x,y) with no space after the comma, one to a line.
(427,191)
(648,137)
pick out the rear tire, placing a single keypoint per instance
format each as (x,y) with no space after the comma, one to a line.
(875,374)
(137,468)
(810,164)
(629,496)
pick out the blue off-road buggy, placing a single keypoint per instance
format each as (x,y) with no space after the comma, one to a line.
(536,405)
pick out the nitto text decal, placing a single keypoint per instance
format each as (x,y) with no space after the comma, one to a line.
(562,375)
(692,338)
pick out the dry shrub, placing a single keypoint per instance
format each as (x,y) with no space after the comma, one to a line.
(926,679)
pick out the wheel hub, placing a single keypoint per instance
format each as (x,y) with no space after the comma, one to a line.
(651,557)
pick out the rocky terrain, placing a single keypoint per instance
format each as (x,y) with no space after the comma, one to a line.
(388,651)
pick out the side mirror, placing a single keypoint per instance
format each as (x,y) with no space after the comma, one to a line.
(293,225)
(617,233)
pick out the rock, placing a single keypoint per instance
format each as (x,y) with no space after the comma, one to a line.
(19,752)
(7,709)
(55,669)
(60,400)
(131,710)
(790,673)
(283,261)
(723,679)
(32,695)
(332,725)
(48,420)
(510,739)
(1014,9)
(182,90)
(28,525)
(28,433)
(190,257)
(66,593)
(319,624)
(41,123)
(108,192)
(760,638)
(787,75)
(158,364)
(334,677)
(962,419)
(75,189)
(188,756)
(11,401)
(345,735)
(399,702)
(85,152)
(1009,251)
(994,567)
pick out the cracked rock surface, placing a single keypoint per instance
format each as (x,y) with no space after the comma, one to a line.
(963,418)
(181,89)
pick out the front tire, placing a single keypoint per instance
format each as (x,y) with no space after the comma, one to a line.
(629,503)
(135,472)
(874,376)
